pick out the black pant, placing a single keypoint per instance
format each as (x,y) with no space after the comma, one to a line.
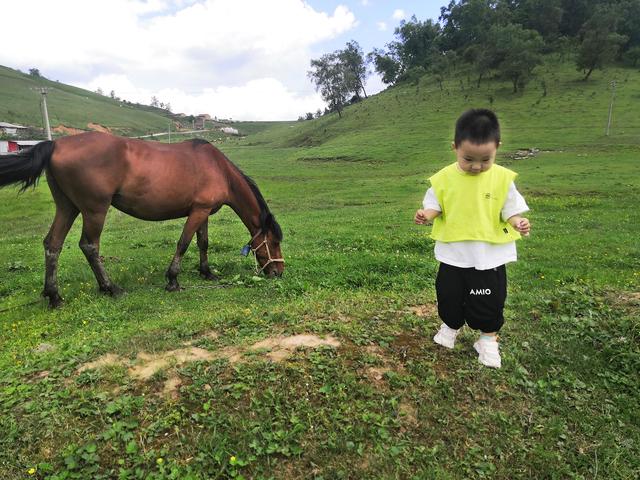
(474,296)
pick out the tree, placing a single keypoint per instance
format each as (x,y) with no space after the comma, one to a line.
(517,51)
(417,43)
(112,94)
(167,107)
(544,16)
(330,77)
(574,14)
(385,64)
(34,72)
(355,65)
(600,43)
(411,54)
(467,22)
(154,101)
(629,22)
(632,56)
(99,91)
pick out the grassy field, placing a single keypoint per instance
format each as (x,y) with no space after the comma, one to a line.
(383,401)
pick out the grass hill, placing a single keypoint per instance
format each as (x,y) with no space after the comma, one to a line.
(556,108)
(387,402)
(72,107)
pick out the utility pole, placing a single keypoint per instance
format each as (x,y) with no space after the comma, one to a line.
(613,96)
(45,113)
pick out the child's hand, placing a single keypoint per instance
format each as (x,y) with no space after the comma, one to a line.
(421,218)
(523,226)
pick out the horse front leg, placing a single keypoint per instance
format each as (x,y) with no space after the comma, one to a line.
(194,221)
(203,245)
(92,224)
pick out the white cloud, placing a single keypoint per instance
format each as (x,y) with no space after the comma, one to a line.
(258,99)
(191,49)
(365,3)
(399,14)
(382,26)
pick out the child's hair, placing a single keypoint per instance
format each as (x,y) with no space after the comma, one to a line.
(478,126)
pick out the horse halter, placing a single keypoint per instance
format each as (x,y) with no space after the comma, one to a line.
(264,243)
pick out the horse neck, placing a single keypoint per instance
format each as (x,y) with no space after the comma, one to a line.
(243,201)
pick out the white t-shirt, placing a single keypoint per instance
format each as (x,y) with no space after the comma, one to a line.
(476,254)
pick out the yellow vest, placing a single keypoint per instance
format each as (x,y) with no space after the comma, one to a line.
(471,205)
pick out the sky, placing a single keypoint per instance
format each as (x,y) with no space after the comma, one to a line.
(239,59)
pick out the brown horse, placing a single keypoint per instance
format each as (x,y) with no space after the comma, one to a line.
(89,172)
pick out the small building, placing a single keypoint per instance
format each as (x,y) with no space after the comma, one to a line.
(12,146)
(10,128)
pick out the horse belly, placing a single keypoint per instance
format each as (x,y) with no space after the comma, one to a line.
(151,208)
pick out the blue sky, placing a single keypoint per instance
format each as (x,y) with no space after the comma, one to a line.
(370,14)
(241,59)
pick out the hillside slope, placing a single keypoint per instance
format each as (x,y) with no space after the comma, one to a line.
(71,106)
(419,117)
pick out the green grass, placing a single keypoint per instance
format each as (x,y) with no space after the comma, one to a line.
(564,405)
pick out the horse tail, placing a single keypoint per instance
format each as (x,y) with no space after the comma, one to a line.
(26,166)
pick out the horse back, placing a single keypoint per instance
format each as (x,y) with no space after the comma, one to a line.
(148,180)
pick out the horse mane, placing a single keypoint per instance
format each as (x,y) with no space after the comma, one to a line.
(267,219)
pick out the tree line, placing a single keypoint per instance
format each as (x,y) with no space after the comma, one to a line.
(502,38)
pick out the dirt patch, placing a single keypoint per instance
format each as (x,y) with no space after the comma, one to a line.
(625,300)
(96,127)
(427,310)
(408,413)
(171,386)
(146,365)
(103,361)
(282,347)
(67,130)
(522,154)
(386,364)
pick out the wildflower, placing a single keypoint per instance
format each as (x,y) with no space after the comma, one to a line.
(233,460)
(160,461)
(31,471)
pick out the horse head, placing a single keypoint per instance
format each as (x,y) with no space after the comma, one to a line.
(265,246)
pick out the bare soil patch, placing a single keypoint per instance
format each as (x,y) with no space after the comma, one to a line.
(67,130)
(96,127)
(427,310)
(146,365)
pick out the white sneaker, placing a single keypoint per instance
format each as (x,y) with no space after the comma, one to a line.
(446,336)
(488,352)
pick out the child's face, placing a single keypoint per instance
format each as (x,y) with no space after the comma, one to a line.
(475,158)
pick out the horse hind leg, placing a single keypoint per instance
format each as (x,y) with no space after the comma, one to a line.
(66,214)
(92,224)
(203,245)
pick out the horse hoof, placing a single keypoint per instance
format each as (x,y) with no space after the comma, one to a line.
(113,291)
(55,300)
(209,276)
(173,288)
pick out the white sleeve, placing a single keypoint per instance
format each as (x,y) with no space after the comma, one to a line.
(430,201)
(514,204)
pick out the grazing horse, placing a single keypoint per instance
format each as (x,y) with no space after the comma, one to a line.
(89,172)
